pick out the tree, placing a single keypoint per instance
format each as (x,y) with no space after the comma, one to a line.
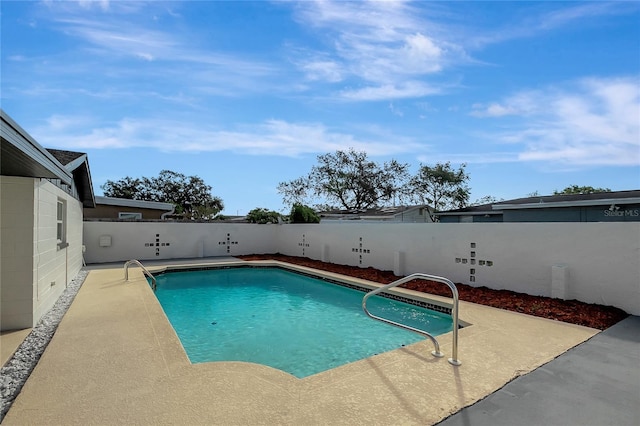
(440,187)
(190,194)
(347,180)
(303,214)
(487,199)
(127,187)
(263,216)
(575,189)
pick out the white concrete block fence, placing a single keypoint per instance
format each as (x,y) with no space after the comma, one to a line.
(591,262)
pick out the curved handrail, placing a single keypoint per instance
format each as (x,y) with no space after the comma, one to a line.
(454,312)
(144,271)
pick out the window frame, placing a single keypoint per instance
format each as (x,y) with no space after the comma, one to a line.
(129,215)
(61,223)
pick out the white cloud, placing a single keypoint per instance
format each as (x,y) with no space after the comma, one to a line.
(272,137)
(409,89)
(88,4)
(391,46)
(565,16)
(469,158)
(524,103)
(325,70)
(422,54)
(595,121)
(396,110)
(553,16)
(109,37)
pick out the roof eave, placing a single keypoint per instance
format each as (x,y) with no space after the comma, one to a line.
(476,213)
(84,183)
(125,202)
(578,203)
(18,145)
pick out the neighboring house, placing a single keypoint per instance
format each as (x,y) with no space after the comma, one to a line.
(411,214)
(109,208)
(618,206)
(42,194)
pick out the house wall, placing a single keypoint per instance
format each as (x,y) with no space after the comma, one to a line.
(16,252)
(624,213)
(103,211)
(414,215)
(54,267)
(476,218)
(591,262)
(34,270)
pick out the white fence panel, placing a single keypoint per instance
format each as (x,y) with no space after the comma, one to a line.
(591,262)
(121,241)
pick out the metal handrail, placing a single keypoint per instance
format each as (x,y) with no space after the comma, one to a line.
(454,312)
(144,270)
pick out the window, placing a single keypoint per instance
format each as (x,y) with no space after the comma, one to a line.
(130,215)
(61,224)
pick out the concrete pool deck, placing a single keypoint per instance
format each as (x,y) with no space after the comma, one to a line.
(115,359)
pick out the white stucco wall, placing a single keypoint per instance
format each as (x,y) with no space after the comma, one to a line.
(591,262)
(34,272)
(600,261)
(122,241)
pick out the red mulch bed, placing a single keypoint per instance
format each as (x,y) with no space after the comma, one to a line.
(571,311)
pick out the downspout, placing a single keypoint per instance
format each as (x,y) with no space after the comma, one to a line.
(163,216)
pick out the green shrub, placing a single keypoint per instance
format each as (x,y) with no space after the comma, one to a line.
(303,214)
(262,216)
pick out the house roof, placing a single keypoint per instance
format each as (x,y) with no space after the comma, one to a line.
(125,202)
(78,164)
(571,200)
(548,201)
(65,157)
(471,210)
(368,214)
(21,155)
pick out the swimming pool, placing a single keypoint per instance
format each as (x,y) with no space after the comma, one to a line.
(289,321)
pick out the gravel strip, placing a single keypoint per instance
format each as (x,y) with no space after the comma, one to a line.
(16,371)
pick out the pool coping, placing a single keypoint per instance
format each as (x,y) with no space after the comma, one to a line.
(116,359)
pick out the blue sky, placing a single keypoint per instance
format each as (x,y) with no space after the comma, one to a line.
(532,96)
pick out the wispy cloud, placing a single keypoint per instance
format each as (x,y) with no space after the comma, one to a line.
(111,40)
(470,158)
(271,137)
(123,39)
(130,39)
(592,122)
(553,16)
(390,47)
(410,89)
(523,103)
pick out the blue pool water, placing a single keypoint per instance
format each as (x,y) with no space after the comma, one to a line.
(292,322)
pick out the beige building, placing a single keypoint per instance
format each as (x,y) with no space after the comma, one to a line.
(42,194)
(108,208)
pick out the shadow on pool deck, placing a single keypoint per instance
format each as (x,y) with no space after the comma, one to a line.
(116,360)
